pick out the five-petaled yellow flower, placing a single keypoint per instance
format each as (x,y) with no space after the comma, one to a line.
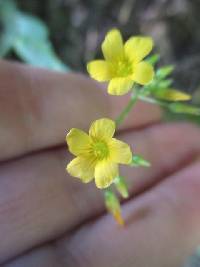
(123,64)
(97,154)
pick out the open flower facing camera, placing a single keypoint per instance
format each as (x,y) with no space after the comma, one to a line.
(98,154)
(123,64)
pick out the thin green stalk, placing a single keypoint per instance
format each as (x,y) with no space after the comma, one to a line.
(128,108)
(153,101)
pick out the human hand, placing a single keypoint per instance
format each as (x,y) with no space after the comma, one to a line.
(48,219)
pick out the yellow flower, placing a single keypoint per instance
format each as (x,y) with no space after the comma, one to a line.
(123,64)
(97,154)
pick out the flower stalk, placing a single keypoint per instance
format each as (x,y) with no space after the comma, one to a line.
(98,154)
(134,97)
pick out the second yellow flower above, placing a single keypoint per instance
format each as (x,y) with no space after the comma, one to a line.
(123,64)
(97,154)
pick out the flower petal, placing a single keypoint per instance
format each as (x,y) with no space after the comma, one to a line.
(78,141)
(120,152)
(105,173)
(82,167)
(120,86)
(136,48)
(100,70)
(112,46)
(143,73)
(102,129)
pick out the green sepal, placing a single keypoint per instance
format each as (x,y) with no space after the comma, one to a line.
(121,186)
(138,161)
(165,71)
(165,83)
(153,59)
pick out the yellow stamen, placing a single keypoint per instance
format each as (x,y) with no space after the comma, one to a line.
(100,150)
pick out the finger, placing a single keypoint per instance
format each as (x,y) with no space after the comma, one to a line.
(38,201)
(38,107)
(45,256)
(164,219)
(162,229)
(167,147)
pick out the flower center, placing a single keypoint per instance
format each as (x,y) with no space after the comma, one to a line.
(124,68)
(100,150)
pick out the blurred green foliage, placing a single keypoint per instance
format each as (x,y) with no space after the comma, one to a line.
(173,111)
(27,36)
(171,116)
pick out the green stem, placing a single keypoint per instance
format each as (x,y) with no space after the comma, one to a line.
(128,108)
(153,101)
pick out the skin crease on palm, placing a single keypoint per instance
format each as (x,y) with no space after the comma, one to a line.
(49,219)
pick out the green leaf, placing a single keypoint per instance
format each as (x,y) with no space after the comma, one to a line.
(39,54)
(28,36)
(138,161)
(31,27)
(7,34)
(32,43)
(7,8)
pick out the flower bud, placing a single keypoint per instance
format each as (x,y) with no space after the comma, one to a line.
(172,95)
(121,186)
(113,206)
